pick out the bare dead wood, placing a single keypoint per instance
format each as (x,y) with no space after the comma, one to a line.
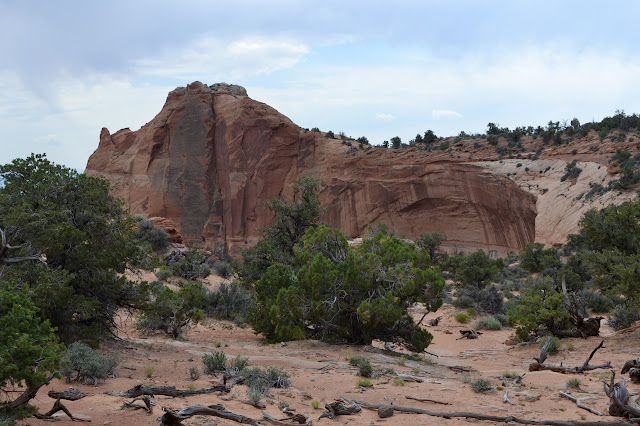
(434,322)
(487,417)
(469,334)
(540,365)
(5,247)
(410,379)
(253,404)
(632,367)
(70,395)
(620,404)
(505,397)
(139,390)
(58,406)
(172,418)
(578,402)
(342,407)
(421,399)
(298,418)
(148,404)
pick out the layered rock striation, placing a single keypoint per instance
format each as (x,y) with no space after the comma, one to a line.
(212,157)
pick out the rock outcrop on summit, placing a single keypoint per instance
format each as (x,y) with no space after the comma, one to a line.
(212,157)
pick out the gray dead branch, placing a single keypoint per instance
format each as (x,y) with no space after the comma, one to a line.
(540,364)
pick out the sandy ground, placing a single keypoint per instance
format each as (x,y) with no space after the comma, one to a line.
(321,372)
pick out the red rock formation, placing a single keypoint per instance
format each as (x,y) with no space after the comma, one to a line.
(212,157)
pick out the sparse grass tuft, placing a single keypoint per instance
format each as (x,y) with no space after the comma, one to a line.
(481,385)
(213,362)
(573,384)
(462,318)
(364,383)
(364,366)
(148,372)
(398,382)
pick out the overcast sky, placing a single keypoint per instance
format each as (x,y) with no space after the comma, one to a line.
(368,68)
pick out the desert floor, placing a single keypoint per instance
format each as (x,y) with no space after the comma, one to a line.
(321,372)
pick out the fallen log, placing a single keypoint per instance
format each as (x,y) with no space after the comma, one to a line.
(172,418)
(488,417)
(58,406)
(539,365)
(139,390)
(421,399)
(633,368)
(469,334)
(342,407)
(578,402)
(620,404)
(148,404)
(70,395)
(298,418)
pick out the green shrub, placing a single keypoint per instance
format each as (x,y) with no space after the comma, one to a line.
(488,323)
(471,311)
(623,316)
(597,302)
(190,264)
(462,318)
(157,237)
(163,273)
(504,320)
(315,405)
(463,302)
(194,373)
(481,385)
(214,362)
(87,364)
(273,377)
(148,372)
(398,382)
(364,383)
(222,269)
(239,363)
(229,301)
(364,366)
(486,300)
(254,394)
(573,384)
(555,344)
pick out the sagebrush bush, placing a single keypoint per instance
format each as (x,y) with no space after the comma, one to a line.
(488,323)
(597,302)
(229,301)
(481,385)
(623,316)
(163,273)
(214,362)
(463,302)
(190,264)
(222,269)
(87,364)
(273,377)
(555,344)
(364,366)
(157,237)
(462,318)
(239,363)
(487,300)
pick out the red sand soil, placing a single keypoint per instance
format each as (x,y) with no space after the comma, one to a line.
(321,372)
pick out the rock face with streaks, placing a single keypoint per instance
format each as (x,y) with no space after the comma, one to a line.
(212,157)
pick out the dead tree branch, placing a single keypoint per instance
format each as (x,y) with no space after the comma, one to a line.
(487,417)
(298,418)
(540,365)
(421,399)
(172,418)
(57,406)
(139,390)
(578,402)
(70,395)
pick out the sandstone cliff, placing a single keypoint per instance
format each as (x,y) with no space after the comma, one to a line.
(212,157)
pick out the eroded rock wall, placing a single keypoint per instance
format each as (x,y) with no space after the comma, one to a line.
(212,157)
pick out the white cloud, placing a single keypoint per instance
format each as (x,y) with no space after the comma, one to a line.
(212,57)
(385,117)
(445,113)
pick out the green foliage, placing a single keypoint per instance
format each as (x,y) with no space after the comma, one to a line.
(330,135)
(541,310)
(463,302)
(487,300)
(190,264)
(555,345)
(163,273)
(462,318)
(315,404)
(364,383)
(477,269)
(596,302)
(194,373)
(273,377)
(346,294)
(254,394)
(87,364)
(29,351)
(396,142)
(431,243)
(623,316)
(157,237)
(573,384)
(488,323)
(535,258)
(214,362)
(572,171)
(481,385)
(364,366)
(173,311)
(88,240)
(228,301)
(239,363)
(397,382)
(148,372)
(222,269)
